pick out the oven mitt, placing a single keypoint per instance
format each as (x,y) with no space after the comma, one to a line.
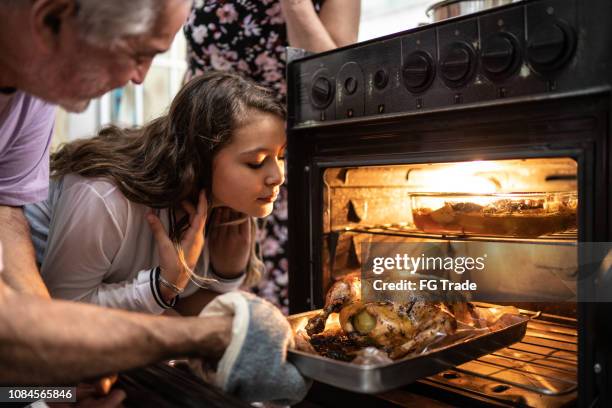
(254,366)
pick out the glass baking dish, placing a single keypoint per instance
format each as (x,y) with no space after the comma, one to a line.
(525,215)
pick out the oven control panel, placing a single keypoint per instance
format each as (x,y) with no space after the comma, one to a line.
(528,48)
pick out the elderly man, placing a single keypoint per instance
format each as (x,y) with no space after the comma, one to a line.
(68,52)
(65,52)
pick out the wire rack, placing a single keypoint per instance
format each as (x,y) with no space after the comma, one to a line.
(399,230)
(541,370)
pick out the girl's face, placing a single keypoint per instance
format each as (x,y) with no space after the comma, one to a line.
(248,172)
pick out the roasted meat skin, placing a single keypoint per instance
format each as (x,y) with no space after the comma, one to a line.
(465,312)
(344,291)
(392,323)
(432,322)
(399,328)
(335,344)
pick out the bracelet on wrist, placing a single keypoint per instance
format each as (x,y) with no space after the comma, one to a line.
(155,288)
(164,282)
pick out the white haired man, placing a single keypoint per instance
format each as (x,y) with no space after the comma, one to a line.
(67,52)
(62,52)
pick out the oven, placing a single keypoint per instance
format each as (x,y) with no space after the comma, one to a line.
(511,103)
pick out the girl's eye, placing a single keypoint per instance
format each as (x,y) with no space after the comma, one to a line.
(260,164)
(255,165)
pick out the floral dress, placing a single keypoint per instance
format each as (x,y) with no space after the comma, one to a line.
(248,37)
(243,36)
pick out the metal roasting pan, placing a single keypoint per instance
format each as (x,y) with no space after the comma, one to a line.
(374,378)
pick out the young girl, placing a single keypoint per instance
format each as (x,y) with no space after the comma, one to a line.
(137,218)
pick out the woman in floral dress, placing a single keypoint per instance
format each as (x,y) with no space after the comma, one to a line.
(249,37)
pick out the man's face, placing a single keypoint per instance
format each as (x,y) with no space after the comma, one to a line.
(84,71)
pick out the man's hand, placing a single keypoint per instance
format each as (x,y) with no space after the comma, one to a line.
(218,337)
(230,243)
(261,336)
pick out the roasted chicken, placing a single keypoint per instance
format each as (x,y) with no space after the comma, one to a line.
(344,291)
(397,328)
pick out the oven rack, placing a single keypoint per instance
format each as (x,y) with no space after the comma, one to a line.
(540,370)
(399,230)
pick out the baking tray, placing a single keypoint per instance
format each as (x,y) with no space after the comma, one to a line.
(374,378)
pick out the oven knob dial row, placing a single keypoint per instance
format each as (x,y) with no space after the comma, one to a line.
(550,46)
(322,92)
(458,64)
(418,71)
(500,56)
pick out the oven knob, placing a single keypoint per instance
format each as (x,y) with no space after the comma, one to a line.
(550,46)
(500,56)
(418,71)
(457,64)
(350,85)
(381,79)
(322,92)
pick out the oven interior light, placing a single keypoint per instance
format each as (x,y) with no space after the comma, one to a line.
(467,177)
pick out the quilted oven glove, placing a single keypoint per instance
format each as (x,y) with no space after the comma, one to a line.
(254,366)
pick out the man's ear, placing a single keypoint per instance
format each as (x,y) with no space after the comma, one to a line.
(48,18)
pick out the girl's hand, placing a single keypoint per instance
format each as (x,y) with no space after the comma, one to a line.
(230,245)
(191,243)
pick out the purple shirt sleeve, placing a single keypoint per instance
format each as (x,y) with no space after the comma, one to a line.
(26,127)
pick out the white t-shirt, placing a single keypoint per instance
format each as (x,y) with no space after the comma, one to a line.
(94,245)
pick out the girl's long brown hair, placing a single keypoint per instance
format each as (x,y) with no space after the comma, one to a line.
(170,159)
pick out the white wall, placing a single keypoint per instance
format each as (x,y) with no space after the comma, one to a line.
(382,17)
